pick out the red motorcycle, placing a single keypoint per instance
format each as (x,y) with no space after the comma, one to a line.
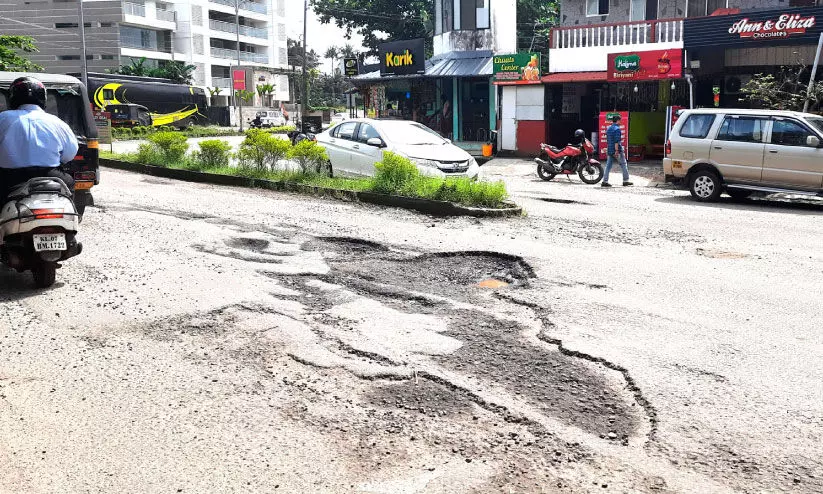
(570,160)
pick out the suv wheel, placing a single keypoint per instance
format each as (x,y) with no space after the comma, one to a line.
(705,186)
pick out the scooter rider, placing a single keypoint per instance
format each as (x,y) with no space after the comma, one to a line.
(33,143)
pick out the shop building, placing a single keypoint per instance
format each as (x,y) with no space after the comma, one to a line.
(451,91)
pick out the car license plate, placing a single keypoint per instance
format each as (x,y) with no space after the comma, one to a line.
(83,185)
(49,241)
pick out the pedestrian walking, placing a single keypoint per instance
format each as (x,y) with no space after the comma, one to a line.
(615,151)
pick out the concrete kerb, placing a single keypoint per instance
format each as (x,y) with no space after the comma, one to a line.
(427,206)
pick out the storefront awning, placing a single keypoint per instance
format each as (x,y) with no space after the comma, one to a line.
(452,64)
(574,77)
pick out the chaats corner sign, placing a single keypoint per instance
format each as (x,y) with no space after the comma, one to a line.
(645,65)
(798,25)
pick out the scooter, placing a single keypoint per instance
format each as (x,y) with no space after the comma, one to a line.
(568,161)
(38,228)
(308,133)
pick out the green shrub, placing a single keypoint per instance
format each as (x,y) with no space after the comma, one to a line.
(262,151)
(149,154)
(394,173)
(165,128)
(310,156)
(213,153)
(172,145)
(121,133)
(283,129)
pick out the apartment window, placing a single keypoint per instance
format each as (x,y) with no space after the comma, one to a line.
(597,7)
(197,15)
(802,3)
(197,40)
(68,57)
(106,24)
(145,39)
(106,57)
(637,11)
(70,25)
(281,31)
(482,12)
(448,15)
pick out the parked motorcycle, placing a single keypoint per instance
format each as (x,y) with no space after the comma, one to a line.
(308,132)
(574,158)
(38,228)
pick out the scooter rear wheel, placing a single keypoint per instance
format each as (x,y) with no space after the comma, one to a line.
(544,174)
(44,274)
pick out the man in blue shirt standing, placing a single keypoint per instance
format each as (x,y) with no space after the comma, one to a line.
(615,151)
(33,143)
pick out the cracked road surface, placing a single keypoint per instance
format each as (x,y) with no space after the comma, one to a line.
(212,339)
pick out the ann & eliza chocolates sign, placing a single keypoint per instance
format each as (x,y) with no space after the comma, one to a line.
(645,65)
(799,25)
(784,26)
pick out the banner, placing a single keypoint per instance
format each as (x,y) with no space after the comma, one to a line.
(239,79)
(645,65)
(517,67)
(350,68)
(102,120)
(605,123)
(406,57)
(795,25)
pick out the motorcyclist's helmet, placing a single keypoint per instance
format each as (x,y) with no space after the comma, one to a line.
(579,134)
(27,91)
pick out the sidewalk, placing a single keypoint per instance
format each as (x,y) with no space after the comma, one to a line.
(652,170)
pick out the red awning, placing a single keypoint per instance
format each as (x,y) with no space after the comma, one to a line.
(574,77)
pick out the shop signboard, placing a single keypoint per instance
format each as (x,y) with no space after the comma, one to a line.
(797,25)
(645,65)
(406,57)
(350,68)
(239,79)
(517,67)
(102,120)
(605,122)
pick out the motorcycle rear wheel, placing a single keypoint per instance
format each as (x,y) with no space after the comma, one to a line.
(591,173)
(544,174)
(44,274)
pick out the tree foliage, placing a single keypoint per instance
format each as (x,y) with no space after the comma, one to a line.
(174,70)
(11,48)
(400,19)
(784,90)
(535,18)
(295,53)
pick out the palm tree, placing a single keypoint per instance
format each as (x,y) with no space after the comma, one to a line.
(347,51)
(333,54)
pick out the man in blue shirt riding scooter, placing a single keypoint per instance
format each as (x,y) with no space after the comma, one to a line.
(615,151)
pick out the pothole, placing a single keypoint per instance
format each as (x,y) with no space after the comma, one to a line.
(720,254)
(253,244)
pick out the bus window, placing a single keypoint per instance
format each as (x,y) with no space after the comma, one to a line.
(108,94)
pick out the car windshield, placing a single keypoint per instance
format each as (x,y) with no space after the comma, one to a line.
(817,122)
(411,134)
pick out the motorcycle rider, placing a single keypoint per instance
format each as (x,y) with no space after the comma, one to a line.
(615,151)
(33,143)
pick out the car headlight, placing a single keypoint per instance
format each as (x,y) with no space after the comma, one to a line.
(426,163)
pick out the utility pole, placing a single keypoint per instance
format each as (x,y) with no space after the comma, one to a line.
(304,105)
(814,73)
(237,29)
(84,63)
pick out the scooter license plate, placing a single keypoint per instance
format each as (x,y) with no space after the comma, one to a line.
(49,241)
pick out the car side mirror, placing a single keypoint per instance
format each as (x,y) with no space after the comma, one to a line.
(376,142)
(813,141)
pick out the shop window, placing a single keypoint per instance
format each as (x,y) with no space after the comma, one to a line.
(697,126)
(597,7)
(741,129)
(788,133)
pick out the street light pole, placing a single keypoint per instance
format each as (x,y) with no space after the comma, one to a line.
(237,29)
(84,63)
(304,106)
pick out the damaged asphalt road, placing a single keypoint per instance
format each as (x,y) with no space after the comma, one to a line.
(224,340)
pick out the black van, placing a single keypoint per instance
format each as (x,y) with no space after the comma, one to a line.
(66,97)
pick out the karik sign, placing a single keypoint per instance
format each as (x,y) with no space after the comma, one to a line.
(795,26)
(402,57)
(785,25)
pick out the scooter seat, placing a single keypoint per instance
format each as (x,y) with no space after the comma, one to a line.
(39,185)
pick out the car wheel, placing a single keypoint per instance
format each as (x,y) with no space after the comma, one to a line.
(705,186)
(738,194)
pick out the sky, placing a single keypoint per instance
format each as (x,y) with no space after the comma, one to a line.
(321,36)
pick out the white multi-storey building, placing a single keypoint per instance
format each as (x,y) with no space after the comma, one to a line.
(199,32)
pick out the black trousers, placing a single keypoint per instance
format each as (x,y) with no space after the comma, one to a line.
(12,177)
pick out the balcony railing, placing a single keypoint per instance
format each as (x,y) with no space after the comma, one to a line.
(228,27)
(245,56)
(623,34)
(165,15)
(252,6)
(134,9)
(221,81)
(127,42)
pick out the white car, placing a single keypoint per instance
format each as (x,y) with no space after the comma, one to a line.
(354,146)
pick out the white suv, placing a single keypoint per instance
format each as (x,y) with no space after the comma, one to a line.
(739,152)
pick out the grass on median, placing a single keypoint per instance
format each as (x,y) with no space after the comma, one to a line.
(395,175)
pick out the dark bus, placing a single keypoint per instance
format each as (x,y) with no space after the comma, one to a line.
(66,97)
(177,105)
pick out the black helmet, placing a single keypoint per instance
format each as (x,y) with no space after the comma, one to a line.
(27,91)
(579,134)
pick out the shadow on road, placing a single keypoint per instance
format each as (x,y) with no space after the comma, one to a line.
(18,286)
(791,206)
